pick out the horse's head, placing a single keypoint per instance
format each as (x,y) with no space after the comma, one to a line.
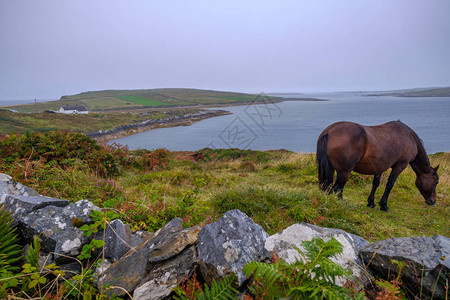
(426,183)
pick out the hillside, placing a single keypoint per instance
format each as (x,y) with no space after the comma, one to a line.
(148,98)
(424,92)
(275,188)
(122,123)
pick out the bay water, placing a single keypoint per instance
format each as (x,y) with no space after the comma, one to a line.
(295,125)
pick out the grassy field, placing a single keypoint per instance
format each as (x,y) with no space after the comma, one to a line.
(142,100)
(127,99)
(279,188)
(115,108)
(93,122)
(275,188)
(147,189)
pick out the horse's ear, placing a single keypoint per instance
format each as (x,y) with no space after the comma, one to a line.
(435,169)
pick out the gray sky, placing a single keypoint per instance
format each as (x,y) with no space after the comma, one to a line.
(54,48)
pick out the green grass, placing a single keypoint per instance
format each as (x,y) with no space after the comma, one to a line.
(280,188)
(11,122)
(126,99)
(275,188)
(142,100)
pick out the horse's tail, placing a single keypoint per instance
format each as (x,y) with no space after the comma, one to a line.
(326,170)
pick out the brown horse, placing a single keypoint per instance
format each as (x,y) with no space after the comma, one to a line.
(371,150)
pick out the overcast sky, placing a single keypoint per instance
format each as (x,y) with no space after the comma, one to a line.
(54,48)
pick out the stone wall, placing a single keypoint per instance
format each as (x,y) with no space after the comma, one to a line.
(150,265)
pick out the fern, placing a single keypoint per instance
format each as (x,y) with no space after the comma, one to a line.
(224,290)
(32,256)
(10,250)
(311,278)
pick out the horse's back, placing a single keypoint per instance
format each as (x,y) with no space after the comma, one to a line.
(369,149)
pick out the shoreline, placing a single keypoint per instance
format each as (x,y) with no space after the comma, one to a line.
(186,120)
(126,130)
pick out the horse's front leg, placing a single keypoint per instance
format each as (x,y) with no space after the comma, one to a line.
(341,179)
(396,170)
(375,184)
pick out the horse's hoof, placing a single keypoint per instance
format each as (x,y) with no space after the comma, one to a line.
(384,208)
(371,205)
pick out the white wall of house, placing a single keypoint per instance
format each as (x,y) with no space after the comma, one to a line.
(70,111)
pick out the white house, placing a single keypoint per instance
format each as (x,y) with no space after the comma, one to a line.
(75,109)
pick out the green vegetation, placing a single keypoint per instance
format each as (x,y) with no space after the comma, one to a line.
(142,100)
(11,122)
(223,290)
(311,277)
(10,251)
(43,280)
(114,108)
(133,99)
(149,188)
(275,188)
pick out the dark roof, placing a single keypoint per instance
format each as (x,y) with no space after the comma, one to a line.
(75,107)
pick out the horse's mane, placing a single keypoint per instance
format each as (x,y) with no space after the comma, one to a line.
(421,156)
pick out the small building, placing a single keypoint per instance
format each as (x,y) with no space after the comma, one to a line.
(74,109)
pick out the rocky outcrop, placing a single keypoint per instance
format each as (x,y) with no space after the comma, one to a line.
(284,245)
(55,228)
(149,266)
(21,205)
(132,268)
(165,275)
(157,264)
(9,187)
(228,244)
(427,259)
(118,240)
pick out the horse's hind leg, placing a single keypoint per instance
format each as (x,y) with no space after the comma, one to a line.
(375,184)
(341,179)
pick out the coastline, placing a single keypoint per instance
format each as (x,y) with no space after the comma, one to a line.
(186,120)
(126,130)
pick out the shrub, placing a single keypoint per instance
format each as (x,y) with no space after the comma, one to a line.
(60,148)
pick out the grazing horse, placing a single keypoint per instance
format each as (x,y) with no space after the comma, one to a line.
(345,147)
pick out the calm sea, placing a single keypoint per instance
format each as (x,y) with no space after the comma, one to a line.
(295,125)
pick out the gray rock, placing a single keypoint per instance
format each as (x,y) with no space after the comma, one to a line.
(228,244)
(71,269)
(20,206)
(8,186)
(144,235)
(173,244)
(132,268)
(426,258)
(285,242)
(135,240)
(164,276)
(55,228)
(101,269)
(117,240)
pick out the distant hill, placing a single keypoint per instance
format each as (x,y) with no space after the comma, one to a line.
(423,92)
(131,99)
